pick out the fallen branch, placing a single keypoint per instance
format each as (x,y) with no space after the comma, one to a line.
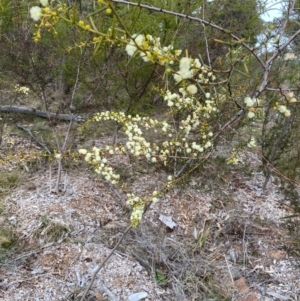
(31,111)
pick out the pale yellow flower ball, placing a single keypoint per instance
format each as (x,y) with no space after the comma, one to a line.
(282,109)
(185,64)
(58,156)
(130,49)
(251,115)
(192,89)
(35,13)
(249,101)
(82,151)
(207,144)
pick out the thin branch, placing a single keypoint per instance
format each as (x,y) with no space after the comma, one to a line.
(279,50)
(206,42)
(67,136)
(38,142)
(76,83)
(236,117)
(291,6)
(282,90)
(284,26)
(103,263)
(203,22)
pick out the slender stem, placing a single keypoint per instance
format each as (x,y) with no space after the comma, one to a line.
(103,263)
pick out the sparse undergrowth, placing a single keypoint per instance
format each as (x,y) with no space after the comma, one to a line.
(203,257)
(9,180)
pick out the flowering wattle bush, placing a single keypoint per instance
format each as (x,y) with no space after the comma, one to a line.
(184,133)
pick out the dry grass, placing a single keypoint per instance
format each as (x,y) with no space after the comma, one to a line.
(50,231)
(9,180)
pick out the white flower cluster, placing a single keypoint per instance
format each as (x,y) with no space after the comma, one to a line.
(136,145)
(291,98)
(138,206)
(100,164)
(187,101)
(234,158)
(22,89)
(177,143)
(150,49)
(193,126)
(252,142)
(252,104)
(35,13)
(187,68)
(282,108)
(132,46)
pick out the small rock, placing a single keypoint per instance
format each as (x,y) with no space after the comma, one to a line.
(137,296)
(37,271)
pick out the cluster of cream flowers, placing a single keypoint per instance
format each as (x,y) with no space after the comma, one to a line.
(99,162)
(48,17)
(138,206)
(252,104)
(150,49)
(234,158)
(282,108)
(190,138)
(36,11)
(22,89)
(252,142)
(189,67)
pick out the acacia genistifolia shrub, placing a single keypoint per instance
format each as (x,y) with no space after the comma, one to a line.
(193,95)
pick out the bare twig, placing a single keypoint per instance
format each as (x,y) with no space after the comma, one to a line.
(38,142)
(245,245)
(231,277)
(76,83)
(61,150)
(103,263)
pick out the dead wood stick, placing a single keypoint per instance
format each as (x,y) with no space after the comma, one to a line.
(103,263)
(38,142)
(31,111)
